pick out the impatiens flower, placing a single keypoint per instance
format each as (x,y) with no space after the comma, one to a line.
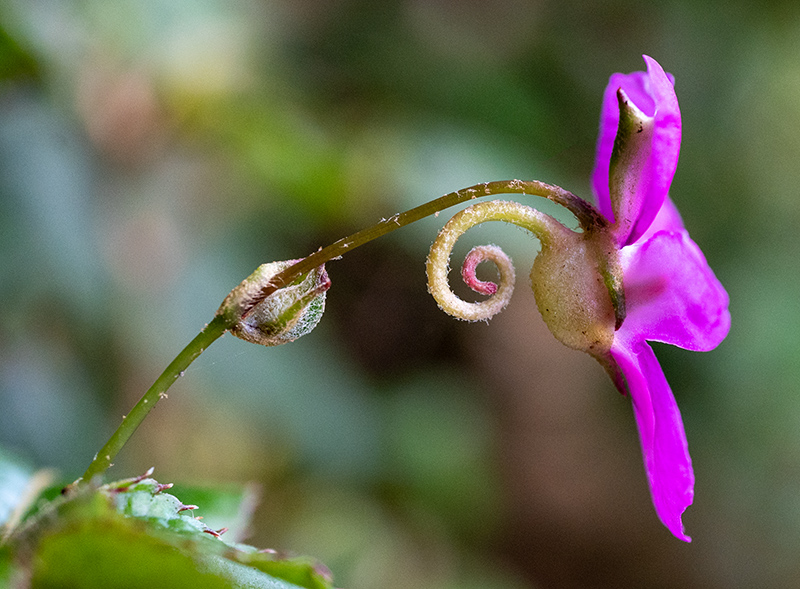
(632,275)
(671,295)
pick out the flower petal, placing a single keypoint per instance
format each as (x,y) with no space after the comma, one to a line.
(666,145)
(652,93)
(667,219)
(664,448)
(672,295)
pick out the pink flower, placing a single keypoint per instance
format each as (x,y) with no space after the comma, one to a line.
(631,275)
(671,294)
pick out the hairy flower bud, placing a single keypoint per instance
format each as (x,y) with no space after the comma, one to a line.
(283,316)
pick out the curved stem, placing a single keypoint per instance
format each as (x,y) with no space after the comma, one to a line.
(588,217)
(586,214)
(543,226)
(103,459)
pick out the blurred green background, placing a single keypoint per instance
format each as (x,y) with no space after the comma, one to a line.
(154,152)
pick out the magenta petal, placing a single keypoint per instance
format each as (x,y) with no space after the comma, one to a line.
(664,448)
(672,295)
(666,145)
(667,219)
(652,93)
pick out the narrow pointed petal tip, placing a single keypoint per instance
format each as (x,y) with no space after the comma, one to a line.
(664,449)
(666,143)
(653,93)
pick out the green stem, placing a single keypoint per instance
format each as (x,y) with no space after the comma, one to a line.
(587,216)
(103,459)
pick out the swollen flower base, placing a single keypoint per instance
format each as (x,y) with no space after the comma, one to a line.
(632,275)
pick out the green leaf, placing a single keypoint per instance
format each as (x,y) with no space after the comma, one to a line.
(228,506)
(244,576)
(131,533)
(145,499)
(300,570)
(112,552)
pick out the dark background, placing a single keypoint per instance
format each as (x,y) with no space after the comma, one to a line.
(154,152)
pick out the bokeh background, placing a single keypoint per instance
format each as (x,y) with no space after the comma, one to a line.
(154,152)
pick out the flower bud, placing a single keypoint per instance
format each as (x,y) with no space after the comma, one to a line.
(283,316)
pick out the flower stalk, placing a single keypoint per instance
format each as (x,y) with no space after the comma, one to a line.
(130,422)
(251,295)
(586,214)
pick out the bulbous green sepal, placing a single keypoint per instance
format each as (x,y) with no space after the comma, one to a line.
(282,317)
(572,292)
